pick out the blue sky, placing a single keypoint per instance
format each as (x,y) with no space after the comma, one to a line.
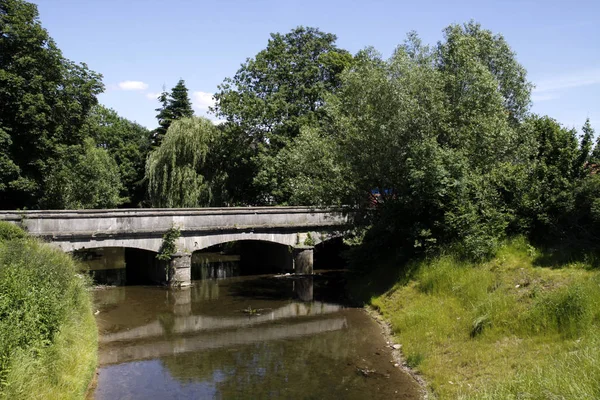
(141,45)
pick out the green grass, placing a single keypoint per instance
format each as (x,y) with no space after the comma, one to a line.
(48,336)
(501,329)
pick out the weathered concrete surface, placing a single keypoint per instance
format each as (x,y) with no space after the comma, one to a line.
(180,270)
(303,260)
(200,228)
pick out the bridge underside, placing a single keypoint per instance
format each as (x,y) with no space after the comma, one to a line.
(291,252)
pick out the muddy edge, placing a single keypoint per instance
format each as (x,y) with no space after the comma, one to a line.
(397,355)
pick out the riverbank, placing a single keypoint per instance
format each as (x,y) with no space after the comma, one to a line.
(507,328)
(48,335)
(396,350)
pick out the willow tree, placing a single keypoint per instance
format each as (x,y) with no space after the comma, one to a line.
(179,172)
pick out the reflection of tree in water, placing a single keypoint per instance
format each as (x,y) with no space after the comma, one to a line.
(328,287)
(311,366)
(263,288)
(205,290)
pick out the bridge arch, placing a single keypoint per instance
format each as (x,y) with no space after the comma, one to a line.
(195,243)
(123,265)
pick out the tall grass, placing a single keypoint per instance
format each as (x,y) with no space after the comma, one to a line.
(500,329)
(48,335)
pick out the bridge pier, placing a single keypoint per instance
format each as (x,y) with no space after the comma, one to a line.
(303,260)
(180,270)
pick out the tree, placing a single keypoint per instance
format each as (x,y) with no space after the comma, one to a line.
(430,130)
(44,101)
(469,42)
(127,143)
(174,106)
(81,181)
(179,172)
(595,154)
(280,90)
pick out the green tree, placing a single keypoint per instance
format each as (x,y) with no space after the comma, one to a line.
(44,101)
(180,172)
(81,181)
(430,131)
(174,105)
(585,147)
(280,90)
(554,171)
(595,154)
(128,143)
(469,45)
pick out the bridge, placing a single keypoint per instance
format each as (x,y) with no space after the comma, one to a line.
(301,228)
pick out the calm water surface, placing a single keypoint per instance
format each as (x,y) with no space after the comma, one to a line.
(261,337)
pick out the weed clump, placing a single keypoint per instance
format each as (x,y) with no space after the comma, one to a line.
(567,310)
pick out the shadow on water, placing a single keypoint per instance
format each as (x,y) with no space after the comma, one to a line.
(324,286)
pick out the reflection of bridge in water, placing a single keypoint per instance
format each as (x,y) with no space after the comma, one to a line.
(120,352)
(197,323)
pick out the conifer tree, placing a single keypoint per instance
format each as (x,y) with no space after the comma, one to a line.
(589,131)
(174,105)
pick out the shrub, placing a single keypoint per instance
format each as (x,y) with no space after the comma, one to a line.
(40,294)
(10,231)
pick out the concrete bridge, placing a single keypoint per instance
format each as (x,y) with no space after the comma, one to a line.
(298,227)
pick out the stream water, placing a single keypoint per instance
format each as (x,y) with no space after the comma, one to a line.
(254,337)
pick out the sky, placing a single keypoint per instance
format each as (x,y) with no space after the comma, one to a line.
(143,46)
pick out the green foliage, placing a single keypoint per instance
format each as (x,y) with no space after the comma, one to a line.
(174,105)
(470,51)
(39,291)
(44,101)
(89,180)
(169,246)
(430,130)
(10,231)
(179,172)
(128,143)
(303,172)
(283,88)
(309,241)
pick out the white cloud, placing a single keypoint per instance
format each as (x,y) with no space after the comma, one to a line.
(568,81)
(133,85)
(202,100)
(544,97)
(152,96)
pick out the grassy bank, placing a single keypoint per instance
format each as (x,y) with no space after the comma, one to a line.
(48,336)
(507,328)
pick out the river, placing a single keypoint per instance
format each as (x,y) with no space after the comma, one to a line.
(253,337)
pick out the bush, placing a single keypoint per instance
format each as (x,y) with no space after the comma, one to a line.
(10,231)
(41,298)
